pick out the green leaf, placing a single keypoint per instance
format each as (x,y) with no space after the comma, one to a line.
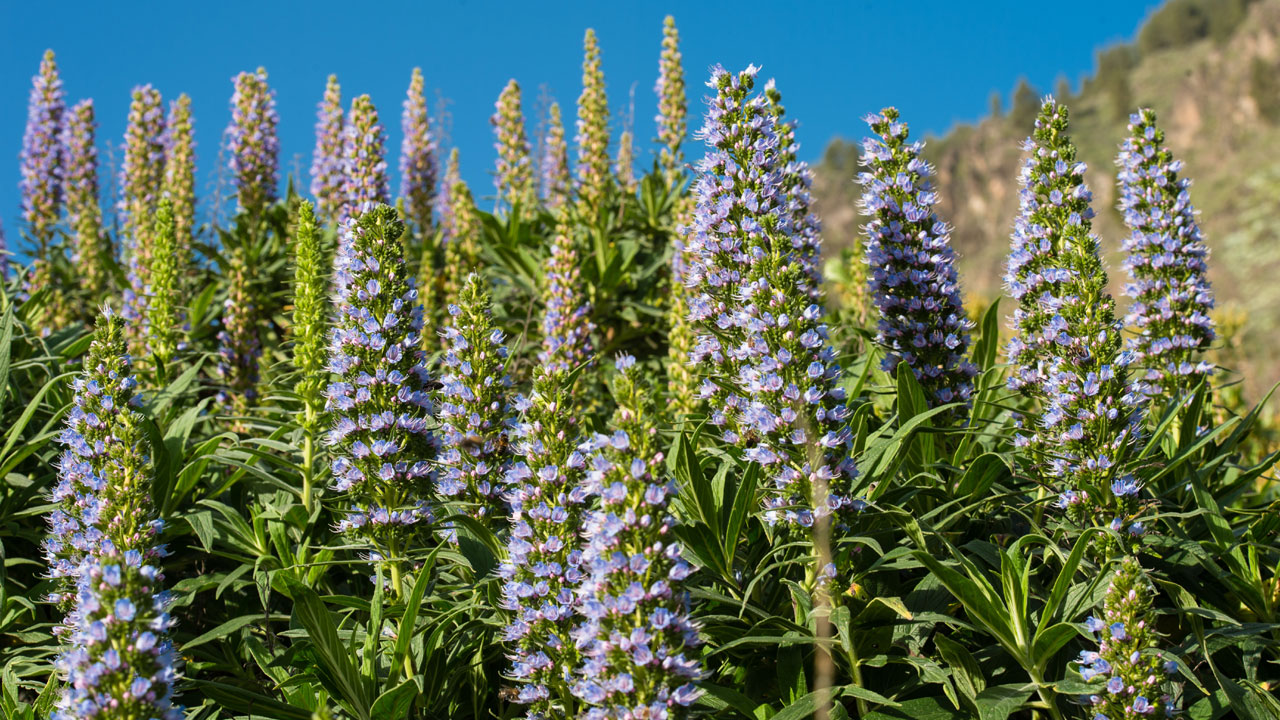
(249,702)
(997,702)
(333,655)
(964,669)
(929,708)
(394,704)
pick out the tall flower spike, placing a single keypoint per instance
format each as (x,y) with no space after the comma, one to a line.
(117,660)
(594,178)
(380,444)
(180,175)
(778,395)
(640,645)
(92,245)
(327,182)
(797,178)
(364,161)
(461,245)
(103,392)
(514,176)
(543,566)
(239,339)
(672,104)
(1166,261)
(1131,679)
(475,416)
(1066,352)
(566,314)
(556,178)
(417,158)
(626,165)
(913,274)
(310,318)
(41,156)
(141,183)
(252,144)
(163,314)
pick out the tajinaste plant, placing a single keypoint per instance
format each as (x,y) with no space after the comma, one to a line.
(364,162)
(432,261)
(1130,676)
(117,660)
(638,641)
(1166,260)
(778,395)
(310,330)
(1066,352)
(180,176)
(514,171)
(417,158)
(542,569)
(594,178)
(474,407)
(797,178)
(41,156)
(913,274)
(566,313)
(461,243)
(239,339)
(379,440)
(672,105)
(92,245)
(682,336)
(141,184)
(164,316)
(252,144)
(556,180)
(327,182)
(625,168)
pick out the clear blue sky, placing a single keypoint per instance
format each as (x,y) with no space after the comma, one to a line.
(937,60)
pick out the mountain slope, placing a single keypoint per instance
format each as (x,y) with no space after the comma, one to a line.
(1216,89)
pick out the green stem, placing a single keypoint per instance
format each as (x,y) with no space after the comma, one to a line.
(1047,695)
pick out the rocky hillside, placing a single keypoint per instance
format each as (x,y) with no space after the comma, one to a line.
(1211,70)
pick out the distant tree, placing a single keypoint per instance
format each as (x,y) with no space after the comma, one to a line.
(1115,64)
(1062,89)
(1264,86)
(995,106)
(1182,22)
(1026,105)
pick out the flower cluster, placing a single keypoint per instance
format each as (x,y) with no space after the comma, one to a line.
(682,336)
(379,440)
(474,413)
(797,178)
(625,167)
(566,314)
(163,313)
(1130,677)
(239,339)
(116,660)
(1067,349)
(639,645)
(672,104)
(514,172)
(461,243)
(310,317)
(554,172)
(913,273)
(542,570)
(594,178)
(364,163)
(141,183)
(774,382)
(180,174)
(92,246)
(417,157)
(252,144)
(327,183)
(41,157)
(1166,260)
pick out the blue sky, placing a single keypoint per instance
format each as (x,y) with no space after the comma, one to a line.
(937,60)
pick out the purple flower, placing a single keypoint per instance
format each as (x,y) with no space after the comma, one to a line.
(252,144)
(327,182)
(554,176)
(417,157)
(41,156)
(1166,261)
(141,181)
(566,315)
(513,176)
(363,161)
(913,275)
